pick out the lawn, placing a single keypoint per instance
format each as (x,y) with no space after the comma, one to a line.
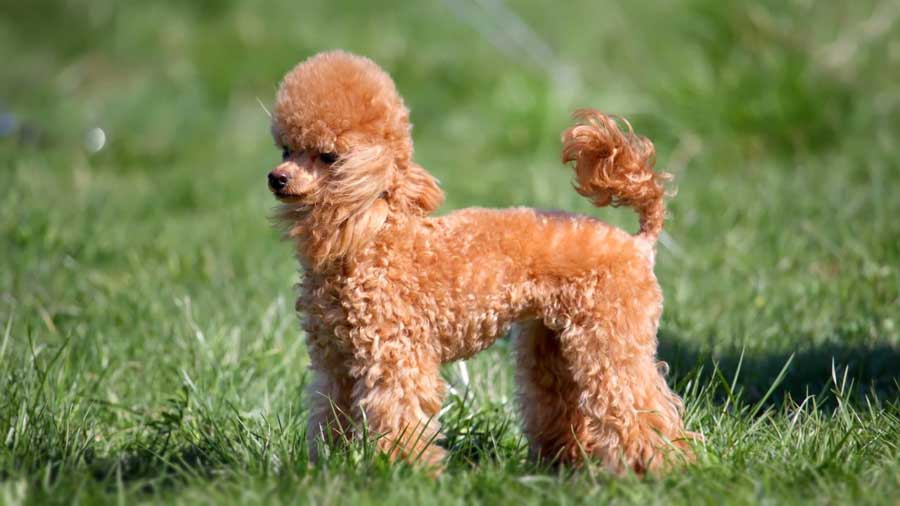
(149,351)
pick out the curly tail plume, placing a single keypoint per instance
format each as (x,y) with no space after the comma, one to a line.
(616,168)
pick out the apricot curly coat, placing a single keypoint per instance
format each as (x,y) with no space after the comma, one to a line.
(388,294)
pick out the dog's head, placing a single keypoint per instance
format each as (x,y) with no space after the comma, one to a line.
(344,135)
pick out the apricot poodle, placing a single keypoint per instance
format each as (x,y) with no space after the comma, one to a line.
(388,293)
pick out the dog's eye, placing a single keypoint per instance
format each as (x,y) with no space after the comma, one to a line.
(328,158)
(285,154)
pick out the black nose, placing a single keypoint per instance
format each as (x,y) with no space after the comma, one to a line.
(277,180)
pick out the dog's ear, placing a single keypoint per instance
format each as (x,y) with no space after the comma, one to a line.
(360,178)
(417,191)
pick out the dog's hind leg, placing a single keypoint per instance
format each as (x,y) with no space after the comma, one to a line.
(548,396)
(610,346)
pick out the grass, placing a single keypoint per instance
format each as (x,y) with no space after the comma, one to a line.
(148,347)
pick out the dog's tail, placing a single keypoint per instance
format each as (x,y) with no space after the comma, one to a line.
(615,167)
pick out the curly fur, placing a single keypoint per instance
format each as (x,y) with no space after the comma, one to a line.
(616,168)
(388,294)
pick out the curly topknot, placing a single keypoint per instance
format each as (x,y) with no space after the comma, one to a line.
(336,100)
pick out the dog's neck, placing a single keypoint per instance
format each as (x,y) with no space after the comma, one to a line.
(327,239)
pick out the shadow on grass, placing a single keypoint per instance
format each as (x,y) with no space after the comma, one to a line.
(150,471)
(872,369)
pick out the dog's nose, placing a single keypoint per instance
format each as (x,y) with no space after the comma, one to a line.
(277,180)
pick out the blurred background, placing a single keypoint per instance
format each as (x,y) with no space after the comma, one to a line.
(134,143)
(134,147)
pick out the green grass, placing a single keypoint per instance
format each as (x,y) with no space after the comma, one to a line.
(148,347)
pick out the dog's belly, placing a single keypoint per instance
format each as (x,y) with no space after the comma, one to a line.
(482,312)
(474,335)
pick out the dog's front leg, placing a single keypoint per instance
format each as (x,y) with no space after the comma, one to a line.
(329,396)
(397,395)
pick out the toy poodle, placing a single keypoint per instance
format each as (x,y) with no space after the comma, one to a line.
(389,293)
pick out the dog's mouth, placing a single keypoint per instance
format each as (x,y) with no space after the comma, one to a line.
(287,198)
(294,206)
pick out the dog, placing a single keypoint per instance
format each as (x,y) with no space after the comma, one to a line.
(389,293)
